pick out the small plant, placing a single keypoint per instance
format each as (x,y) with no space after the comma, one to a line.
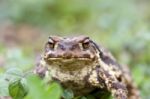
(22,86)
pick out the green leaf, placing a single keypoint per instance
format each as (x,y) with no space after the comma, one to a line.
(54,91)
(68,94)
(39,90)
(36,89)
(3,86)
(14,72)
(18,89)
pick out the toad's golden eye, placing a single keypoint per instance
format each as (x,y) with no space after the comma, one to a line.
(86,44)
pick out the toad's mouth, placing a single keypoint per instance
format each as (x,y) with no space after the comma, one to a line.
(65,60)
(67,57)
(72,58)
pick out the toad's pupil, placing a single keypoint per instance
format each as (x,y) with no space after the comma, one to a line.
(51,45)
(85,45)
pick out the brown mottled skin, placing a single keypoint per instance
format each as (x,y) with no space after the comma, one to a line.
(81,65)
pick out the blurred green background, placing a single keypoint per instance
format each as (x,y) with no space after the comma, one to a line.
(122,26)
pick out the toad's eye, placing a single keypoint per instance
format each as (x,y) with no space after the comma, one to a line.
(51,44)
(86,44)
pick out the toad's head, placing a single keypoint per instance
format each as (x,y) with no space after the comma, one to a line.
(70,52)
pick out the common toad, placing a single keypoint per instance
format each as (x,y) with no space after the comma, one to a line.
(79,64)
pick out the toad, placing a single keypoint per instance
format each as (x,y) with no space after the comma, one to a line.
(79,64)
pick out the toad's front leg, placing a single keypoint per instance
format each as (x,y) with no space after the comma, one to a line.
(118,89)
(102,78)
